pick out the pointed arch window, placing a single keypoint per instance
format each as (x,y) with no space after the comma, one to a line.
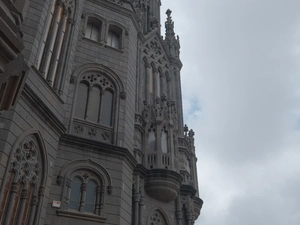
(23,190)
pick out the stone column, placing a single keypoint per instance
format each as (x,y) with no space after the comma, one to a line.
(83,196)
(136,200)
(147,85)
(178,210)
(163,85)
(13,192)
(24,196)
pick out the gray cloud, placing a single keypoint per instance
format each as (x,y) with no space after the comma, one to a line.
(241,91)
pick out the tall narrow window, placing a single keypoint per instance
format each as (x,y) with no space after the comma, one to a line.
(75,195)
(95,99)
(107,108)
(90,199)
(81,103)
(94,104)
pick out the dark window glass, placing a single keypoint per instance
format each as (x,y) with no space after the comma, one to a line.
(75,193)
(81,103)
(94,104)
(90,197)
(107,108)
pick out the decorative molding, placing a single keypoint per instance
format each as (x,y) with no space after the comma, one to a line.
(105,148)
(83,216)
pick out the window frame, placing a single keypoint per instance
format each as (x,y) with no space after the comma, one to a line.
(96,173)
(80,174)
(96,23)
(103,90)
(119,30)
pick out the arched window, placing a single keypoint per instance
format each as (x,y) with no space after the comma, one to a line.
(52,52)
(22,194)
(94,101)
(93,29)
(82,100)
(86,192)
(85,185)
(114,36)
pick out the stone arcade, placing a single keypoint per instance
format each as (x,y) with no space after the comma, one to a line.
(91,124)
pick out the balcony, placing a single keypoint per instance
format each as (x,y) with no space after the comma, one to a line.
(162,184)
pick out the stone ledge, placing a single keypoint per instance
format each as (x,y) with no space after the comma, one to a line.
(79,215)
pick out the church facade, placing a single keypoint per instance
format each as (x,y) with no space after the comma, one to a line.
(91,123)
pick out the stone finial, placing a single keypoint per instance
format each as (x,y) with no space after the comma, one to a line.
(169,25)
(185,129)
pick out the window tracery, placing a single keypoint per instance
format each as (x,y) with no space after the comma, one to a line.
(86,193)
(23,189)
(85,185)
(95,99)
(157,219)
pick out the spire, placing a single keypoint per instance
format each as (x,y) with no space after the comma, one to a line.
(169,25)
(170,39)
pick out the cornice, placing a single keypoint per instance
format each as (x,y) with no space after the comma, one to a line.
(103,148)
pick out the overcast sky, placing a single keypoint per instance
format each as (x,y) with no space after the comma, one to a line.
(241,92)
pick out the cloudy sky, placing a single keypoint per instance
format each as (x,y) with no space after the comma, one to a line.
(241,91)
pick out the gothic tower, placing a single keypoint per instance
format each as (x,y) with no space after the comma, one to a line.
(91,123)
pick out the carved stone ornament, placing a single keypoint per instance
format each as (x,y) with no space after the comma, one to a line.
(92,133)
(156,219)
(59,180)
(123,95)
(102,80)
(109,190)
(25,162)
